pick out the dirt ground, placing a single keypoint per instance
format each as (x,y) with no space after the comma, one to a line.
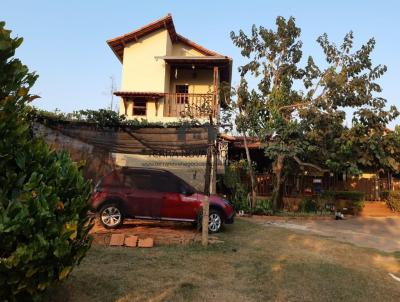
(163,232)
(381,233)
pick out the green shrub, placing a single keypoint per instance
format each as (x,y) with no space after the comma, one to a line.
(346,195)
(43,196)
(352,199)
(263,207)
(384,195)
(239,191)
(393,200)
(308,205)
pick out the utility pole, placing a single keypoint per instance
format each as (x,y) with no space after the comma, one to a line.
(112,89)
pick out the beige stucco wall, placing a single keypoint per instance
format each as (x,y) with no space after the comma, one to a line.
(167,67)
(180,49)
(141,70)
(199,80)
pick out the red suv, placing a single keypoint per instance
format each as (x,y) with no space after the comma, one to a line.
(154,194)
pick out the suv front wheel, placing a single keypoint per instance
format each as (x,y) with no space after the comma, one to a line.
(214,221)
(111,216)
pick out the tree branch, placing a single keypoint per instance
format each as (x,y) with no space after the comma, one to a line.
(301,163)
(296,105)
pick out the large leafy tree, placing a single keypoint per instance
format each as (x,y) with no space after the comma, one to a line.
(302,110)
(43,196)
(241,107)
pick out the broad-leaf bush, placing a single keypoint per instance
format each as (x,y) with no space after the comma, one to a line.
(393,200)
(43,197)
(350,199)
(238,188)
(263,207)
(308,205)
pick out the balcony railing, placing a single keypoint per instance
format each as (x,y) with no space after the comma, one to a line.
(190,105)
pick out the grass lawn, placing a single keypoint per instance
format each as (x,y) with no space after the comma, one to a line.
(254,263)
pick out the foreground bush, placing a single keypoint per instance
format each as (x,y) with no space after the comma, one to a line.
(43,196)
(393,200)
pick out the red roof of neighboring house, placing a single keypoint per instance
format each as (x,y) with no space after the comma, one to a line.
(250,145)
(238,141)
(118,44)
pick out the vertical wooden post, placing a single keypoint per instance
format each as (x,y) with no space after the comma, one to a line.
(213,188)
(125,106)
(206,212)
(210,150)
(206,202)
(215,143)
(215,98)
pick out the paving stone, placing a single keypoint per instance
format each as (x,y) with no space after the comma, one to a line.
(146,242)
(117,239)
(131,241)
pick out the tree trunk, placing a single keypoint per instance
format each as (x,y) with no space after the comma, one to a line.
(277,201)
(251,172)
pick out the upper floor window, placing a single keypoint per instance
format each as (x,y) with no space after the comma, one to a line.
(181,94)
(139,106)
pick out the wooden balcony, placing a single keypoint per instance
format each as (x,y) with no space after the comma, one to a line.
(191,105)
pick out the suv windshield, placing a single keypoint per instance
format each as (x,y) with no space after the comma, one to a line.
(187,187)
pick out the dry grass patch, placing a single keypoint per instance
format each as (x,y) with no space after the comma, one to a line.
(253,264)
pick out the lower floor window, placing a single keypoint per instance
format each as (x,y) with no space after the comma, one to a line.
(139,107)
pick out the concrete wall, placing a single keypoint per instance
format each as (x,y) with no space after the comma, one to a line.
(191,169)
(99,162)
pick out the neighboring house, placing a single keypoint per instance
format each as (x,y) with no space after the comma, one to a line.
(307,181)
(166,77)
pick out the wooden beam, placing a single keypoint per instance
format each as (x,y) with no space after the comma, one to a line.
(125,106)
(216,82)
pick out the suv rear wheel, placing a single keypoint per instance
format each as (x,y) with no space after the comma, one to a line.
(111,216)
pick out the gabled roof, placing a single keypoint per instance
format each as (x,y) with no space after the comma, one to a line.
(118,44)
(196,46)
(147,94)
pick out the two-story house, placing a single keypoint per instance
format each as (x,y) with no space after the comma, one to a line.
(166,76)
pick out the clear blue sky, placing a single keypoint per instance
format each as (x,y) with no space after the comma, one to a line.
(64,41)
